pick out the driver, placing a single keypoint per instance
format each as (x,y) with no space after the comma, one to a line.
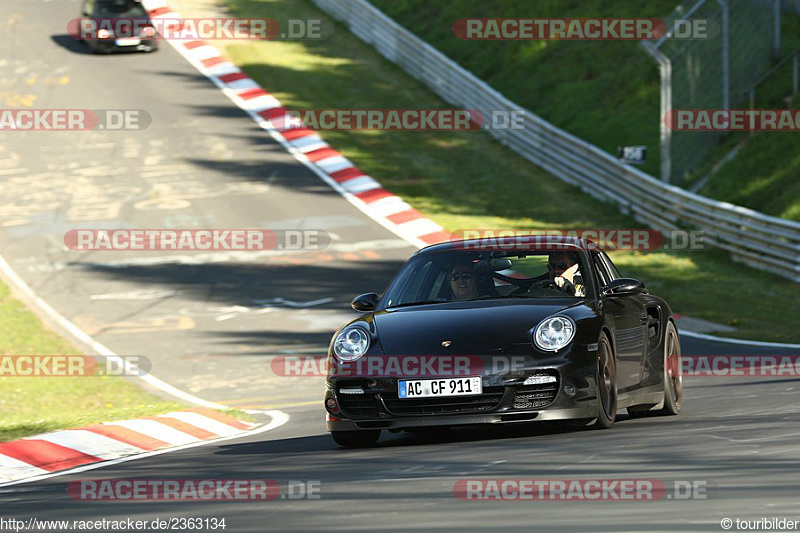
(562,267)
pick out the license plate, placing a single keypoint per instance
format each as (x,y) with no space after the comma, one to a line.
(128,42)
(426,388)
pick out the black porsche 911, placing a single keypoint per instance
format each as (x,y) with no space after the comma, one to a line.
(118,26)
(475,332)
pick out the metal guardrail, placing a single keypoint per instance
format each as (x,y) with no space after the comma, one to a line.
(761,241)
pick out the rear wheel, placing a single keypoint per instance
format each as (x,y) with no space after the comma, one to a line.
(606,375)
(356,439)
(672,379)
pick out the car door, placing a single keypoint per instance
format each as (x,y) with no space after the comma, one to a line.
(627,313)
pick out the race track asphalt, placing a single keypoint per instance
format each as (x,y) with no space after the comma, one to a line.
(211,325)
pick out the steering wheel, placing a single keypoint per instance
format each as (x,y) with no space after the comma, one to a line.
(544,284)
(522,285)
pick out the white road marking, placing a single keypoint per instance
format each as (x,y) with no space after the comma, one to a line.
(13,278)
(292,303)
(738,341)
(135,295)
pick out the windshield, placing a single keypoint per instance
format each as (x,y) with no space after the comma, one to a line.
(459,275)
(120,9)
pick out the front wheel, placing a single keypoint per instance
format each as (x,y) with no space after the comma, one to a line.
(606,375)
(672,379)
(356,439)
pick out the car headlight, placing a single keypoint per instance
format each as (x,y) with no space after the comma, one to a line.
(554,333)
(351,344)
(103,34)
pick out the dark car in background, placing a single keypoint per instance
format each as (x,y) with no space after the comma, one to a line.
(119,26)
(533,345)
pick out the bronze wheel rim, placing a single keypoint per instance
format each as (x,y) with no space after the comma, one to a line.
(675,383)
(605,379)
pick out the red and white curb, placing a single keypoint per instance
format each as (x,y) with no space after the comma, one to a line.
(305,145)
(71,448)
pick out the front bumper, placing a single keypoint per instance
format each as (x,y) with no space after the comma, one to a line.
(110,45)
(505,398)
(463,420)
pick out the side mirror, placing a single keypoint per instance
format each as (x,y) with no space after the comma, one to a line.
(365,302)
(623,287)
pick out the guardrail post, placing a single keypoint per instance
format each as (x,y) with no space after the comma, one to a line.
(665,133)
(726,60)
(776,28)
(795,69)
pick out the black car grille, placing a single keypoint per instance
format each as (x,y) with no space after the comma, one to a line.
(535,396)
(454,404)
(358,404)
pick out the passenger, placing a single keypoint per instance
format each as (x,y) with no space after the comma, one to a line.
(463,281)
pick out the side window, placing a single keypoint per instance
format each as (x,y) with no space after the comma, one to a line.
(610,266)
(603,277)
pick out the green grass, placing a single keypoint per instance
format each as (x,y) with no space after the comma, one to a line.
(467,180)
(607,92)
(33,405)
(765,175)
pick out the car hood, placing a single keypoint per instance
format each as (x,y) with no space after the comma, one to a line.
(473,328)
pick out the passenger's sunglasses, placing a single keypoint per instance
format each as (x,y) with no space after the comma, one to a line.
(458,275)
(558,266)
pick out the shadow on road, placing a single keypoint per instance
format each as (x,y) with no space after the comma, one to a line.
(68,43)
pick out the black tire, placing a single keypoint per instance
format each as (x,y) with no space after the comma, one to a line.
(356,439)
(606,376)
(673,385)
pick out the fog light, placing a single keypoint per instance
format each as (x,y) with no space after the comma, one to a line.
(330,404)
(569,390)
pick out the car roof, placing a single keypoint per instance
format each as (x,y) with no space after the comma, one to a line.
(515,243)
